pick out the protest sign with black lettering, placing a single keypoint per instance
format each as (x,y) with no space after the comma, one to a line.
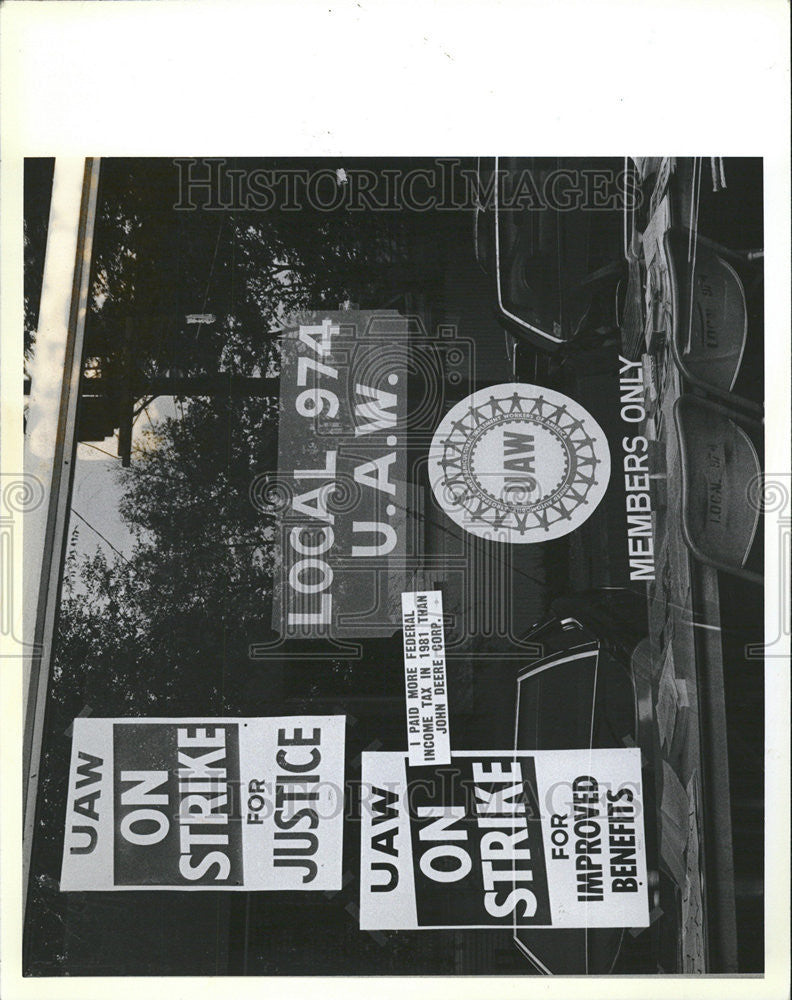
(513,839)
(246,804)
(426,690)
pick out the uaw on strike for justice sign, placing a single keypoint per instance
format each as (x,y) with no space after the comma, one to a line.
(513,839)
(341,487)
(241,804)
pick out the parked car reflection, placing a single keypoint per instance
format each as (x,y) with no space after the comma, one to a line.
(548,232)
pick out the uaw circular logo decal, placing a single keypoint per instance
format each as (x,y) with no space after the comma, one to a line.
(519,463)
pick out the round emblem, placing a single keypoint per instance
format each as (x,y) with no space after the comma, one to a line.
(519,463)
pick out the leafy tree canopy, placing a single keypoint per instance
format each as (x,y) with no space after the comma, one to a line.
(155,264)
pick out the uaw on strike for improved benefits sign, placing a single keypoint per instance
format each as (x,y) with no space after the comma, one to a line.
(537,839)
(205,804)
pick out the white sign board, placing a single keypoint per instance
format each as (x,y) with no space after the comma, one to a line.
(232,804)
(511,839)
(426,690)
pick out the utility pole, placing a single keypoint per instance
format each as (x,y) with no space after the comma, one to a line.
(108,401)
